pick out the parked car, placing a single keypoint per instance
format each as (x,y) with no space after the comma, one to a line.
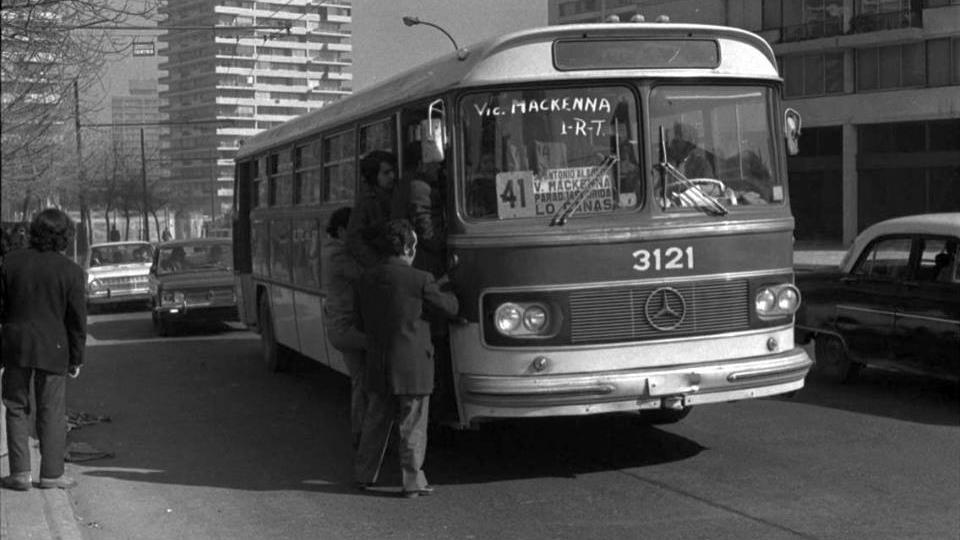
(191,281)
(893,303)
(117,272)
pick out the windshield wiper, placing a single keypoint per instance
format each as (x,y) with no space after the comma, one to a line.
(570,205)
(692,194)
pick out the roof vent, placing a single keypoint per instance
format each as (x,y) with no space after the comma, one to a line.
(638,18)
(663,18)
(612,19)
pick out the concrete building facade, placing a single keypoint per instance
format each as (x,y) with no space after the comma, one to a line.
(266,62)
(877,83)
(138,109)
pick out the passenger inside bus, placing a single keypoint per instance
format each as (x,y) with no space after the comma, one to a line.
(482,187)
(375,205)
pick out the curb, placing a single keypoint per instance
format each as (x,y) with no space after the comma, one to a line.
(38,513)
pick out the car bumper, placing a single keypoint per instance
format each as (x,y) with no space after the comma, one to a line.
(197,313)
(117,296)
(634,389)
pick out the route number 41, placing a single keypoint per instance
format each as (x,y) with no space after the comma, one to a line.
(515,195)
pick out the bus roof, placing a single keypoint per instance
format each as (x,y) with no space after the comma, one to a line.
(508,59)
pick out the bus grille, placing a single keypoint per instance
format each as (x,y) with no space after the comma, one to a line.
(619,314)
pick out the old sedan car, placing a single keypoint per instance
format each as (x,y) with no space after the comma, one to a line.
(191,281)
(117,272)
(893,303)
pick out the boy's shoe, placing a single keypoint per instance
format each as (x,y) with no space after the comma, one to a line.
(422,492)
(62,482)
(18,481)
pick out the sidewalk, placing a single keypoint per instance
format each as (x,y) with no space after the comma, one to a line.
(38,514)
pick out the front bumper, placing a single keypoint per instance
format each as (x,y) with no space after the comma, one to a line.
(117,296)
(485,396)
(195,313)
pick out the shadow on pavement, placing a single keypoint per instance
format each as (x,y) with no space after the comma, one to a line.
(206,413)
(142,328)
(894,395)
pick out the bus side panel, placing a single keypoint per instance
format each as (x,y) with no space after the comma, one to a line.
(284,316)
(246,300)
(310,327)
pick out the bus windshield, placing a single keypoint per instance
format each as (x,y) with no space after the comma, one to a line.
(530,152)
(719,147)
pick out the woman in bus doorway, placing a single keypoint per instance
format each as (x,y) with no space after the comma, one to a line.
(375,205)
(340,315)
(399,357)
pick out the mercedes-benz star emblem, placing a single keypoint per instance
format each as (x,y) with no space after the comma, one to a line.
(665,308)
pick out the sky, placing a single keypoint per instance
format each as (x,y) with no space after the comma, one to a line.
(382,45)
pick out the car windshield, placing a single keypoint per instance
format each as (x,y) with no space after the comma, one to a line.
(534,152)
(120,254)
(718,146)
(195,258)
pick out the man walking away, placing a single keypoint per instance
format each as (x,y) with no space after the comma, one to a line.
(44,318)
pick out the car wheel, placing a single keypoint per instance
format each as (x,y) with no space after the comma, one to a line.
(832,361)
(273,354)
(660,417)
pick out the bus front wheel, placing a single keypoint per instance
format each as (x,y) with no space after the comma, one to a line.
(273,355)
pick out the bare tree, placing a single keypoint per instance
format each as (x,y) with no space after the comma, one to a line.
(51,51)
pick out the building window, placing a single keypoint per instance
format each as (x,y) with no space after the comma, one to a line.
(943,62)
(893,66)
(813,75)
(809,19)
(875,15)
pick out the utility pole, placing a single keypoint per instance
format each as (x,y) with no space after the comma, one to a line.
(82,232)
(143,181)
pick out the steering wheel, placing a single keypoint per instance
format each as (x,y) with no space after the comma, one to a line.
(717,184)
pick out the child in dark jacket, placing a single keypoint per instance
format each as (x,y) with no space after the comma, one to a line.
(399,358)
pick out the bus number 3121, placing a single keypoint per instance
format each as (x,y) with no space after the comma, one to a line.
(671,258)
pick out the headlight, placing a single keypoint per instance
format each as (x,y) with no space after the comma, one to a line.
(788,299)
(508,318)
(765,301)
(777,301)
(94,285)
(522,319)
(535,318)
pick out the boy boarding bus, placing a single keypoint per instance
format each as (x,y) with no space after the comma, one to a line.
(610,202)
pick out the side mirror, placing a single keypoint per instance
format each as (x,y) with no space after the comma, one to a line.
(791,130)
(433,137)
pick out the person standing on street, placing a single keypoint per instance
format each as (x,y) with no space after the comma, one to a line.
(44,322)
(340,315)
(400,368)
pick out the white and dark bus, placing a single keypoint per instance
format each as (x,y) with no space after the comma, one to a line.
(613,208)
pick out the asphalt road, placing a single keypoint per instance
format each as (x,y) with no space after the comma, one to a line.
(208,445)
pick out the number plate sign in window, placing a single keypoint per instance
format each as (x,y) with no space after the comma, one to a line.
(531,153)
(635,54)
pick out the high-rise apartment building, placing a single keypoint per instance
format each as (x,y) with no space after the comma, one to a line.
(238,67)
(129,113)
(877,83)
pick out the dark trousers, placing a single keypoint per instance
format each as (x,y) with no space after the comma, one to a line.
(410,413)
(51,398)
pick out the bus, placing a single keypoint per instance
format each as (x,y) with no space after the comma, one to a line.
(614,215)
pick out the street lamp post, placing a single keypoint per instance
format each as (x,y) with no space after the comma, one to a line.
(462,52)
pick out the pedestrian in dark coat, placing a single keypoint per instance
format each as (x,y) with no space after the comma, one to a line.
(375,206)
(44,317)
(392,298)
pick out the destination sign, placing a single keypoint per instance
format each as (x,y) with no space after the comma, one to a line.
(522,194)
(582,54)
